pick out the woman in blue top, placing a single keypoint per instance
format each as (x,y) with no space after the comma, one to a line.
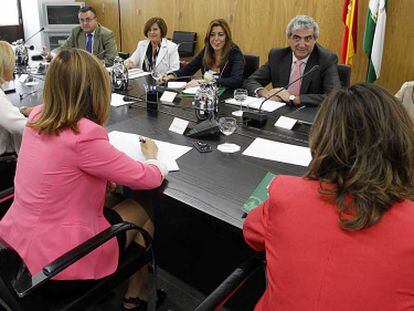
(220,56)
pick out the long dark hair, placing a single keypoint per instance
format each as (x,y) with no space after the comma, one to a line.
(362,143)
(209,57)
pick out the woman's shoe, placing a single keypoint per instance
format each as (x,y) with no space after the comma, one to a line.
(137,304)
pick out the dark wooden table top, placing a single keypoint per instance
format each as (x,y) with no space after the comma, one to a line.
(215,183)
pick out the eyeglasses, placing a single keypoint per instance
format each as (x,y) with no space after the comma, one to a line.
(297,38)
(86,20)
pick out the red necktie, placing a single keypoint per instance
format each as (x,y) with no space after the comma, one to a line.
(294,89)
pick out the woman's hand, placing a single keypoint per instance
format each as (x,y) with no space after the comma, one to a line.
(149,148)
(129,64)
(25,110)
(167,76)
(193,83)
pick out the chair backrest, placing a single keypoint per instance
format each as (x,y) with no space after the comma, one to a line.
(14,277)
(7,171)
(251,65)
(123,55)
(186,41)
(344,72)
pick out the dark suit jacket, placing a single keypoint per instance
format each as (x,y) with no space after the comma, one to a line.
(314,86)
(104,45)
(231,74)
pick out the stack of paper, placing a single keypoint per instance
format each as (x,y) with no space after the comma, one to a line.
(136,73)
(167,153)
(255,102)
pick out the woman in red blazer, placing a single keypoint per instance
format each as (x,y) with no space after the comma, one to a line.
(342,237)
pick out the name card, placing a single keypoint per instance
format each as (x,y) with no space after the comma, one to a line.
(285,122)
(168,96)
(178,126)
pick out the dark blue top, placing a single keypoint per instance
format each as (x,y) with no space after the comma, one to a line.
(231,75)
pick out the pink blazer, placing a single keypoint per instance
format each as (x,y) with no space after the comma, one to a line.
(60,189)
(313,264)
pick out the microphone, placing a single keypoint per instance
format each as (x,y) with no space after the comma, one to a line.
(41,29)
(260,117)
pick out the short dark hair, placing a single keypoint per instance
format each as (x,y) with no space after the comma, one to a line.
(362,143)
(87,9)
(161,24)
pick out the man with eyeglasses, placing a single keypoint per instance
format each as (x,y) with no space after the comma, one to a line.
(90,36)
(286,65)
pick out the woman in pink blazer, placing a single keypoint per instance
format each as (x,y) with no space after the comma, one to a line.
(64,165)
(342,238)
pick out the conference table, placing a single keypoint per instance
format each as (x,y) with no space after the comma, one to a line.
(214,183)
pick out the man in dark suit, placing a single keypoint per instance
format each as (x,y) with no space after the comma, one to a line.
(90,36)
(285,65)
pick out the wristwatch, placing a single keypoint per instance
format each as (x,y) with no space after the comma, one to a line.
(291,99)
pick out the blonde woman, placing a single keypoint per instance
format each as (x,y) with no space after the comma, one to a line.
(64,165)
(12,121)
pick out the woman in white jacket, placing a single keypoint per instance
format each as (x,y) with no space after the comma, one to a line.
(155,54)
(12,121)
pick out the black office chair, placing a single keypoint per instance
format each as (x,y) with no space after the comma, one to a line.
(251,65)
(217,299)
(21,291)
(186,41)
(123,55)
(344,72)
(7,171)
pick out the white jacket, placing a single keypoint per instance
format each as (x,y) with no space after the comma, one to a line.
(12,123)
(167,59)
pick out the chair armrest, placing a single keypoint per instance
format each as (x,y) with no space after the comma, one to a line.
(231,284)
(25,284)
(6,194)
(9,157)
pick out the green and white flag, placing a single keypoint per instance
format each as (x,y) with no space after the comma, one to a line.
(374,37)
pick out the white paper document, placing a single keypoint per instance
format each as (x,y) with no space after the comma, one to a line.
(129,144)
(136,73)
(255,102)
(22,78)
(176,84)
(275,151)
(285,122)
(118,100)
(191,90)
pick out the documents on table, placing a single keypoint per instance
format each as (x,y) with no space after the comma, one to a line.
(255,102)
(118,100)
(136,73)
(176,84)
(167,153)
(191,90)
(275,151)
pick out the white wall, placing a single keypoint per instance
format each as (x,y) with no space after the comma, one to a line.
(32,20)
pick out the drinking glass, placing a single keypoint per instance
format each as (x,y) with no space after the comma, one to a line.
(227,126)
(240,95)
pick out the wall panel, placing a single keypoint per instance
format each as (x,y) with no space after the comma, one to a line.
(258,26)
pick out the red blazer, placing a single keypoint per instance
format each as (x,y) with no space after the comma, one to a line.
(313,264)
